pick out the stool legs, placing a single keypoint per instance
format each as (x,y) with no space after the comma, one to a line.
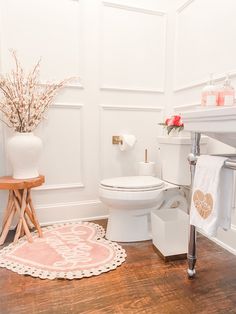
(6,227)
(20,202)
(8,208)
(35,219)
(22,222)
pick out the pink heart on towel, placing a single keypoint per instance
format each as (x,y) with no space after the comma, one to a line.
(203,203)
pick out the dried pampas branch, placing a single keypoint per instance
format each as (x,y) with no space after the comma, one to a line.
(25,100)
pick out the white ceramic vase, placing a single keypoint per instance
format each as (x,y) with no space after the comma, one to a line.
(24,150)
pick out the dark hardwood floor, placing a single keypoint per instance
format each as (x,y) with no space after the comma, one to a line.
(143,284)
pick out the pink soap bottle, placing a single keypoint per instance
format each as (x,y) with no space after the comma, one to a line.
(209,94)
(226,93)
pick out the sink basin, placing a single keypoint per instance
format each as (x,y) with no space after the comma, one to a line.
(216,122)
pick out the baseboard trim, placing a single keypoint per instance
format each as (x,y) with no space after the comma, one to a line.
(220,243)
(44,224)
(74,211)
(67,212)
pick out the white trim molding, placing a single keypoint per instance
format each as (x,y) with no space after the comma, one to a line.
(187,107)
(130,89)
(77,185)
(132,108)
(66,105)
(184,6)
(133,8)
(69,185)
(217,78)
(136,89)
(104,109)
(74,84)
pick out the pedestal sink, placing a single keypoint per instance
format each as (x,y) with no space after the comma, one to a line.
(220,124)
(216,122)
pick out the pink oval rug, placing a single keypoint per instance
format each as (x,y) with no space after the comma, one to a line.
(71,250)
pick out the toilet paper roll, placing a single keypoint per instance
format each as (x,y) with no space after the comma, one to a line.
(128,142)
(146,168)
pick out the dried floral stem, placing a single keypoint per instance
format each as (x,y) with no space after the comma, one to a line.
(24,100)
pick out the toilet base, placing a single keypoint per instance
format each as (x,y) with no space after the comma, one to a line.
(128,226)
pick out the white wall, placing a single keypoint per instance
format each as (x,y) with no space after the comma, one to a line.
(118,49)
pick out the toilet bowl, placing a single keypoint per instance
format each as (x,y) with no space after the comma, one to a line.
(130,201)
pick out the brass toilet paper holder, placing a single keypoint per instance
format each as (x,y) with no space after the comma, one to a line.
(116,140)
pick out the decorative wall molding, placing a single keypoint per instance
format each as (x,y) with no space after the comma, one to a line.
(63,105)
(139,89)
(184,6)
(70,185)
(132,108)
(151,111)
(187,107)
(198,83)
(129,89)
(77,185)
(65,204)
(75,84)
(192,84)
(133,8)
(217,78)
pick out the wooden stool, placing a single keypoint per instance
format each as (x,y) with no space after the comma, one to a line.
(20,202)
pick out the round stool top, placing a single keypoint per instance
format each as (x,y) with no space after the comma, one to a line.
(9,183)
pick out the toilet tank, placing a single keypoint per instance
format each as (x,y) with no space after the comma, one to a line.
(173,155)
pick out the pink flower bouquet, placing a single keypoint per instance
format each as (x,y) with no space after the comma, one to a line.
(173,123)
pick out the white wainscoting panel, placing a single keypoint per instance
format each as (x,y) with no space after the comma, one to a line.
(133,42)
(48,29)
(61,134)
(204,42)
(142,122)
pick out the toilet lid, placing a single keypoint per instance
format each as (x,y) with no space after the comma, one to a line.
(135,182)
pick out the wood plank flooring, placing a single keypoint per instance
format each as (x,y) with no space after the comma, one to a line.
(143,284)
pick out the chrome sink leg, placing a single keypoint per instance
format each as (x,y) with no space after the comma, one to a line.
(192,252)
(195,151)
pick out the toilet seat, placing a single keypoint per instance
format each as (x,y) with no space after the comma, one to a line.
(132,184)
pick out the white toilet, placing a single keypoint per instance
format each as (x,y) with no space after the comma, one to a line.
(131,199)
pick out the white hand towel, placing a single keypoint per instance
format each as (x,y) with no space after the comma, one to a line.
(211,203)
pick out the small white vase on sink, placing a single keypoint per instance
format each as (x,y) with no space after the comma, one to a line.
(24,150)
